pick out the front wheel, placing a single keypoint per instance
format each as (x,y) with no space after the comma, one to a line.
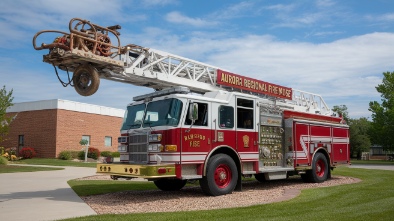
(169,184)
(221,177)
(319,172)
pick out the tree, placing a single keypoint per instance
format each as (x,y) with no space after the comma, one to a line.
(5,102)
(342,111)
(358,131)
(382,126)
(359,137)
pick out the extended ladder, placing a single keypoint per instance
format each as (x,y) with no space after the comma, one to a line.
(88,44)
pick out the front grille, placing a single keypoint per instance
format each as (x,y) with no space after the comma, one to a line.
(139,138)
(138,148)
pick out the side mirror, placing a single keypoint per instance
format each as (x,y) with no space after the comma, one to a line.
(193,112)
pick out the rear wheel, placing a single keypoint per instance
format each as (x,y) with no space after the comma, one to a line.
(222,176)
(86,80)
(319,172)
(169,184)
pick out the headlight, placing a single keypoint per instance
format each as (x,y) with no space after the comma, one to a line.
(122,148)
(122,139)
(155,147)
(154,137)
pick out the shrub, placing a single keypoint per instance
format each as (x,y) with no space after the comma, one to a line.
(65,155)
(115,154)
(106,154)
(81,155)
(27,152)
(93,153)
(74,154)
(3,160)
(9,153)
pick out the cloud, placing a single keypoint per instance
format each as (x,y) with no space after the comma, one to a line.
(150,3)
(388,17)
(177,17)
(325,3)
(338,70)
(344,71)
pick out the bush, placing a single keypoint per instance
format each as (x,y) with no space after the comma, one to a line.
(3,160)
(74,154)
(81,155)
(106,154)
(27,152)
(65,155)
(115,154)
(93,153)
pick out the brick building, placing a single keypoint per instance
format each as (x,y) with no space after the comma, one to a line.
(51,126)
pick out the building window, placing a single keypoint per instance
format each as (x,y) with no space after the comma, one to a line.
(108,141)
(21,140)
(86,137)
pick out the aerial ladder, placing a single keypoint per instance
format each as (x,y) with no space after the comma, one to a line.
(93,52)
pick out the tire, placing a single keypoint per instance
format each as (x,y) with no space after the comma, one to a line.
(305,177)
(319,172)
(86,80)
(260,177)
(221,177)
(169,184)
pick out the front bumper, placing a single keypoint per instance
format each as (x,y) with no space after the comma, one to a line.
(137,170)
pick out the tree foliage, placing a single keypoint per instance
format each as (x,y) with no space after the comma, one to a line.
(342,111)
(359,137)
(5,102)
(382,126)
(358,131)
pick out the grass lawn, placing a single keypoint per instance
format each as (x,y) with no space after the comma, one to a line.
(55,162)
(94,187)
(371,199)
(16,169)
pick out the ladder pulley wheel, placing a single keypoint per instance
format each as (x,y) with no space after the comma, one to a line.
(86,80)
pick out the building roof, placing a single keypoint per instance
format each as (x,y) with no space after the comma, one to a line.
(65,105)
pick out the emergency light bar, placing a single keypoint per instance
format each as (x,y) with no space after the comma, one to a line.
(166,91)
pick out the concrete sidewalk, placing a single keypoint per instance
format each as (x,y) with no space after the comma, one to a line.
(43,195)
(373,167)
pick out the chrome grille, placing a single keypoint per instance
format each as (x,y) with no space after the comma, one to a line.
(138,148)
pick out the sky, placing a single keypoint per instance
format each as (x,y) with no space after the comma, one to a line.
(338,49)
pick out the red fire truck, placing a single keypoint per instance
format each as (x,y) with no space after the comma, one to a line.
(202,122)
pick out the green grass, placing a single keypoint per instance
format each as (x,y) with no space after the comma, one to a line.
(371,199)
(55,162)
(16,169)
(94,187)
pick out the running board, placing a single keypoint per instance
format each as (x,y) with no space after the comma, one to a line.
(274,169)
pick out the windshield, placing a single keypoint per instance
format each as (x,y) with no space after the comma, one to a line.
(158,113)
(133,117)
(163,113)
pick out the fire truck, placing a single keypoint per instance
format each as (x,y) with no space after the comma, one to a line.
(201,122)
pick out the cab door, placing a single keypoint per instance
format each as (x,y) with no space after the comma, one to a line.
(246,126)
(196,136)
